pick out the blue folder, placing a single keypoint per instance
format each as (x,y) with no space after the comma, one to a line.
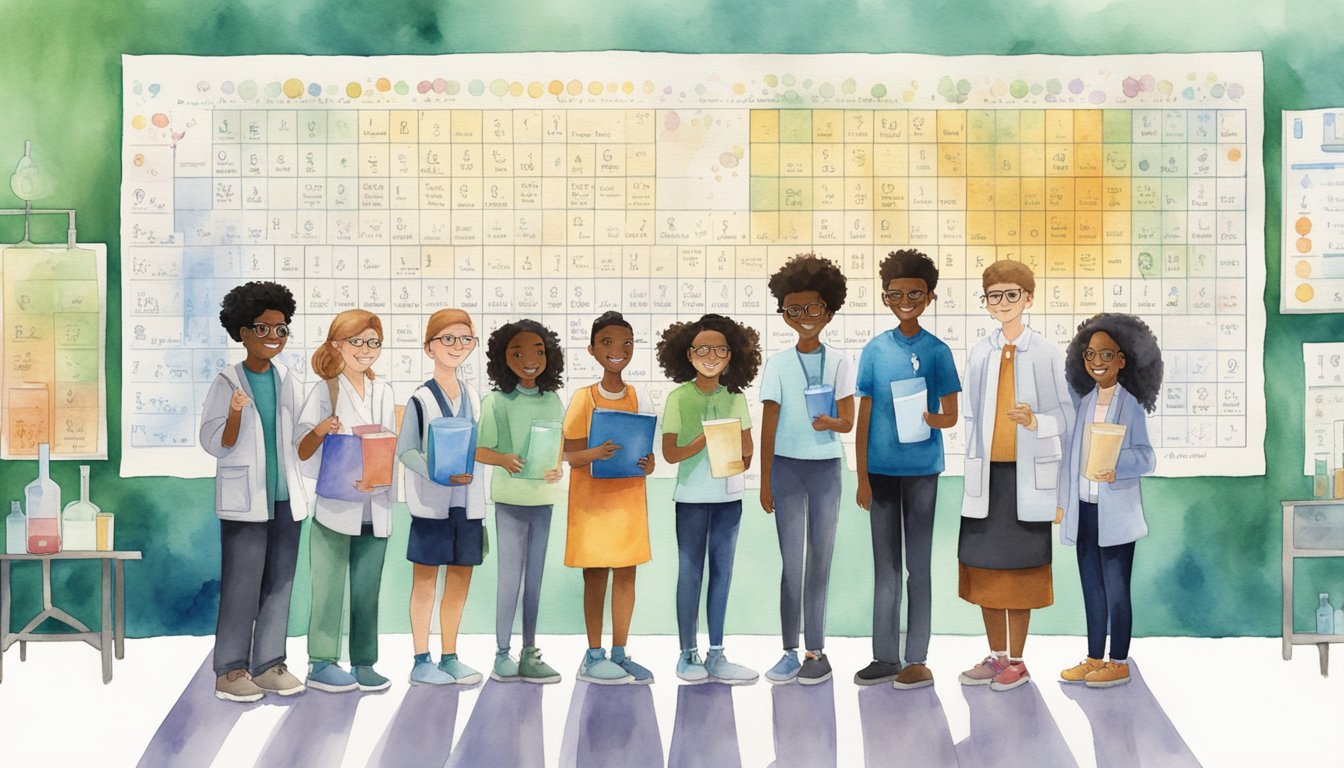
(633,432)
(342,465)
(452,448)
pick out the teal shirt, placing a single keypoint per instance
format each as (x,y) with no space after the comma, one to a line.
(506,419)
(686,408)
(265,398)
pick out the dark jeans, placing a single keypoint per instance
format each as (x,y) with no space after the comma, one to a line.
(902,503)
(1105,573)
(807,508)
(256,576)
(705,528)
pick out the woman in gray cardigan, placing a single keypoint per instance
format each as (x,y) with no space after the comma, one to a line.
(1114,371)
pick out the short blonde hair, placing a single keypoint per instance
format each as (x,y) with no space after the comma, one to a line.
(327,362)
(1008,271)
(444,318)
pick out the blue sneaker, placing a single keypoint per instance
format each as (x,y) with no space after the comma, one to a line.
(786,669)
(460,672)
(425,673)
(328,676)
(368,679)
(641,675)
(597,668)
(691,669)
(505,669)
(725,671)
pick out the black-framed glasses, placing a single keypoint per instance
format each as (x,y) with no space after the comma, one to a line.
(372,343)
(704,349)
(891,297)
(449,340)
(262,330)
(1106,355)
(1013,295)
(815,309)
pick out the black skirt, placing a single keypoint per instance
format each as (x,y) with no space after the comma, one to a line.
(1000,541)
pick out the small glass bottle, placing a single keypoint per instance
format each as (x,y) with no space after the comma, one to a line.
(16,530)
(1339,620)
(1320,487)
(1325,616)
(42,502)
(78,520)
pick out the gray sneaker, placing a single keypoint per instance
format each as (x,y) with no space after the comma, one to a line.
(815,670)
(721,670)
(237,685)
(279,681)
(877,673)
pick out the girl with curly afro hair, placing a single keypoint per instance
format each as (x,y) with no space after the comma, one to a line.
(714,358)
(525,362)
(1114,370)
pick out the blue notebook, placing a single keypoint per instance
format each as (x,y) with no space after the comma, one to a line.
(633,432)
(342,465)
(452,448)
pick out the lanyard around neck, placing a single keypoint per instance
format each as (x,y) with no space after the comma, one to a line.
(821,370)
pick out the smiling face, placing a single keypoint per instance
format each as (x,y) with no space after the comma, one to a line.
(904,307)
(804,324)
(1103,371)
(1007,311)
(612,348)
(526,357)
(357,358)
(454,355)
(711,365)
(270,345)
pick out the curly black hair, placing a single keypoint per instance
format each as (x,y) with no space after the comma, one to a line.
(497,367)
(244,304)
(810,272)
(610,317)
(908,263)
(1142,374)
(743,340)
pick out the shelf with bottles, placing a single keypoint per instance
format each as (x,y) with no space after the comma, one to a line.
(39,526)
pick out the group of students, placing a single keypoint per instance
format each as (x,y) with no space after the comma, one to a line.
(1026,452)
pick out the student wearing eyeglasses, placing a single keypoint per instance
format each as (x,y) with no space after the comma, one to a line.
(899,460)
(800,456)
(1018,411)
(714,359)
(249,424)
(350,530)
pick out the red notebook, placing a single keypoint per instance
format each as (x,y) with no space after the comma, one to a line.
(380,454)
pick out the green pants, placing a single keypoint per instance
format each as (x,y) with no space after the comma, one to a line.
(330,554)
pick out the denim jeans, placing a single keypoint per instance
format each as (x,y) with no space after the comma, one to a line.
(522,533)
(807,509)
(255,580)
(902,504)
(705,528)
(1105,573)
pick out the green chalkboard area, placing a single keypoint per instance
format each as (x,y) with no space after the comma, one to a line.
(1209,567)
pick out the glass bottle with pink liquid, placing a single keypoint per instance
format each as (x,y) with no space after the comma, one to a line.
(42,498)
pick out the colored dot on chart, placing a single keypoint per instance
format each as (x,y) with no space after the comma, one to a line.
(627,87)
(159,120)
(383,85)
(138,122)
(1303,225)
(535,90)
(595,88)
(739,89)
(556,88)
(1234,154)
(293,88)
(1303,269)
(138,160)
(515,89)
(353,90)
(1304,292)
(1303,245)
(574,88)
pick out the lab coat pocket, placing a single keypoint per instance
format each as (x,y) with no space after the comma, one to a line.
(974,480)
(1047,472)
(233,491)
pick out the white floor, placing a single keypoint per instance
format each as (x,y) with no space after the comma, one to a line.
(1234,701)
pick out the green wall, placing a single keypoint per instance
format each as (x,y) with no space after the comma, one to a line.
(1211,563)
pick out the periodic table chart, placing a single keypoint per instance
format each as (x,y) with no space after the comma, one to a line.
(559,186)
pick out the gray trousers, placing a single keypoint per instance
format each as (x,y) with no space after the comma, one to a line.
(256,576)
(521,547)
(807,508)
(902,502)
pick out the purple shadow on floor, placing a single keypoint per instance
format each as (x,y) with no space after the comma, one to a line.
(1012,729)
(1129,727)
(905,728)
(705,733)
(314,732)
(611,726)
(804,720)
(421,732)
(505,728)
(195,728)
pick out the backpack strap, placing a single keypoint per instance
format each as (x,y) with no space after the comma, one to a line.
(333,392)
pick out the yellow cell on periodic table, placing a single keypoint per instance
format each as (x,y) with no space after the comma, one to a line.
(795,159)
(923,160)
(923,194)
(527,193)
(1058,126)
(497,160)
(980,194)
(828,159)
(951,160)
(526,126)
(980,126)
(611,160)
(639,193)
(1087,261)
(859,227)
(1033,256)
(858,193)
(527,226)
(1087,228)
(980,227)
(663,261)
(640,160)
(437,262)
(952,125)
(891,227)
(923,227)
(827,193)
(892,193)
(596,126)
(611,194)
(466,160)
(1115,193)
(1087,159)
(858,125)
(1058,261)
(403,126)
(1031,160)
(1059,193)
(1007,160)
(554,227)
(891,160)
(1115,226)
(1086,194)
(828,227)
(1031,126)
(751,262)
(1117,261)
(1059,160)
(466,125)
(859,160)
(1087,126)
(1033,194)
(923,125)
(639,228)
(609,227)
(581,228)
(764,126)
(764,226)
(1008,194)
(467,194)
(1059,228)
(719,262)
(828,125)
(1007,227)
(497,126)
(764,159)
(795,227)
(891,125)
(952,228)
(581,160)
(980,160)
(639,126)
(435,226)
(952,193)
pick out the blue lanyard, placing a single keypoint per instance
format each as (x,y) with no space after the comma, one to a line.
(821,371)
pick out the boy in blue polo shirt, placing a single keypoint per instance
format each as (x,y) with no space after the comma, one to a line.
(898,473)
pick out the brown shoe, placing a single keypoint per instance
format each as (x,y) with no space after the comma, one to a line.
(279,681)
(1078,672)
(237,685)
(914,675)
(1111,674)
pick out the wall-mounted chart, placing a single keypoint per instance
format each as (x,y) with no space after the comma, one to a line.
(559,186)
